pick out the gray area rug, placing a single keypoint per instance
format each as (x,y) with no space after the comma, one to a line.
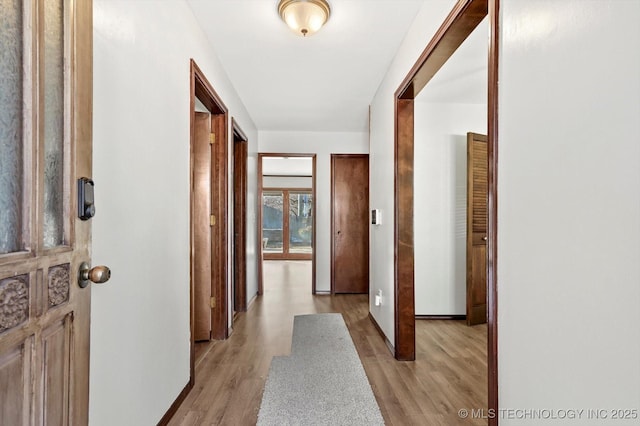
(322,382)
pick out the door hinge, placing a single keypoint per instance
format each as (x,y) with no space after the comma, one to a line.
(212,138)
(213,220)
(212,302)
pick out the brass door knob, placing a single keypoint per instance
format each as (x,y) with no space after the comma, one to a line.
(87,274)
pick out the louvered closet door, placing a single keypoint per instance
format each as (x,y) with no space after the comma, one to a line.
(477,218)
(45,144)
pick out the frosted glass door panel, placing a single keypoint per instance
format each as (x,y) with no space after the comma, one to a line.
(54,166)
(11,122)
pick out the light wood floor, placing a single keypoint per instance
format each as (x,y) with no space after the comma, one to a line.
(449,373)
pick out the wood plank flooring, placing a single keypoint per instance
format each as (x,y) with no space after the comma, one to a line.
(449,372)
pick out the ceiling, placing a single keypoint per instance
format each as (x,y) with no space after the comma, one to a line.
(324,82)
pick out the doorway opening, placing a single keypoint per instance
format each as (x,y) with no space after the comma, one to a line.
(286,215)
(463,19)
(208,211)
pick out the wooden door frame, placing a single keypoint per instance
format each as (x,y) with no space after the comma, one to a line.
(202,89)
(458,25)
(239,278)
(262,155)
(333,270)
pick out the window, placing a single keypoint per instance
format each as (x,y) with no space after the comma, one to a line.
(287,224)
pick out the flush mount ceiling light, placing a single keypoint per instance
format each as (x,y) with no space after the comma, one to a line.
(304,17)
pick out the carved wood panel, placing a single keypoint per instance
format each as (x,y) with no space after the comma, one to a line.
(59,282)
(14,302)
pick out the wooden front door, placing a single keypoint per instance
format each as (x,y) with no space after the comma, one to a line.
(45,146)
(477,198)
(350,223)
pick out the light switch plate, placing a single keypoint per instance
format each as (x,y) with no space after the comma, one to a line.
(376,217)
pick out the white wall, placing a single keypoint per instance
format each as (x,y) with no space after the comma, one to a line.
(140,319)
(569,207)
(291,166)
(422,30)
(323,144)
(440,203)
(252,216)
(569,202)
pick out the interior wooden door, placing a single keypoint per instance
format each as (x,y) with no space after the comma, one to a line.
(350,223)
(45,146)
(239,224)
(209,207)
(201,219)
(477,218)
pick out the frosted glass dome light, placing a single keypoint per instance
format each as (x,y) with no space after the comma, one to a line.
(304,17)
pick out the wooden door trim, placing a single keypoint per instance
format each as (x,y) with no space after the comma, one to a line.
(404,285)
(273,189)
(460,22)
(238,133)
(201,88)
(240,144)
(332,253)
(261,189)
(492,205)
(288,176)
(260,256)
(315,215)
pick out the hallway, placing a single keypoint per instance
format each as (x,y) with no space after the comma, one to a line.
(449,374)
